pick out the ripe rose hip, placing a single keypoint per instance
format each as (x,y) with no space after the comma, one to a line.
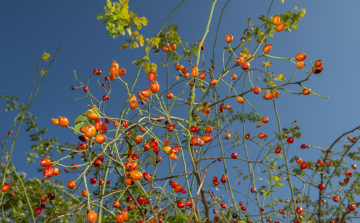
(352,207)
(234,155)
(290,139)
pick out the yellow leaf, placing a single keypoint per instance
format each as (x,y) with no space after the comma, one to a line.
(271,34)
(279,77)
(42,72)
(266,64)
(272,84)
(124,46)
(45,56)
(177,77)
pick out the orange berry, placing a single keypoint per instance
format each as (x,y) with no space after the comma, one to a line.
(5,187)
(268,96)
(92,115)
(55,121)
(300,64)
(256,90)
(280,27)
(306,91)
(122,71)
(265,119)
(276,20)
(202,76)
(154,86)
(240,99)
(194,71)
(318,63)
(261,135)
(100,138)
(135,175)
(300,56)
(92,216)
(71,184)
(276,94)
(229,38)
(239,60)
(63,121)
(213,82)
(267,48)
(84,193)
(245,66)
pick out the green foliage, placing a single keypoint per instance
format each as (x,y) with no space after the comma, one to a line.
(120,20)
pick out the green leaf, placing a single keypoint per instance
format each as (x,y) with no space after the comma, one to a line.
(79,125)
(125,45)
(248,21)
(136,62)
(147,70)
(100,16)
(81,117)
(295,26)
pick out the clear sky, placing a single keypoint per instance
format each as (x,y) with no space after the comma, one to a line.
(329,31)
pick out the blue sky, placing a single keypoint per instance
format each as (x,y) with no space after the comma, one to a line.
(328,32)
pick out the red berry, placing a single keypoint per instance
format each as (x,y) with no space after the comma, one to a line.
(180,204)
(352,207)
(38,211)
(140,199)
(299,210)
(129,199)
(234,155)
(93,180)
(278,150)
(194,129)
(303,165)
(290,139)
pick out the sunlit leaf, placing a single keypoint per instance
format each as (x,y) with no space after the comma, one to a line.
(43,72)
(125,45)
(267,64)
(45,56)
